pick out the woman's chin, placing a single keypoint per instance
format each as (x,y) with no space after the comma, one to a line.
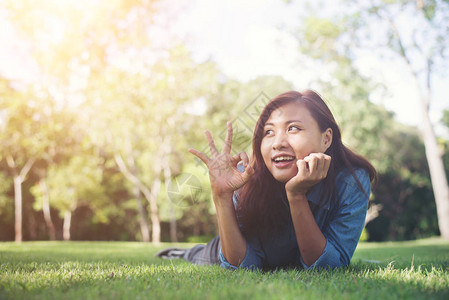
(284,178)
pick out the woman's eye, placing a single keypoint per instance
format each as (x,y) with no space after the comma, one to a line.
(268,132)
(293,128)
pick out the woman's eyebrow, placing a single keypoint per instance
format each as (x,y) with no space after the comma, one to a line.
(286,122)
(293,121)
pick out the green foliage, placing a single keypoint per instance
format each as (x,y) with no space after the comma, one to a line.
(6,209)
(445,118)
(89,270)
(107,89)
(20,130)
(319,37)
(72,184)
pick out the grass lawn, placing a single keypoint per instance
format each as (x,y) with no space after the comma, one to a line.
(115,270)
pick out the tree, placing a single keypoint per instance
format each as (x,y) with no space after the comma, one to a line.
(140,132)
(71,184)
(64,139)
(424,52)
(35,133)
(421,45)
(22,142)
(91,34)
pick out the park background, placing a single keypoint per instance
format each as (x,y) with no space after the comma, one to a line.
(100,100)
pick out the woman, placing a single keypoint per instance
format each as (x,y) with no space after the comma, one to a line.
(300,201)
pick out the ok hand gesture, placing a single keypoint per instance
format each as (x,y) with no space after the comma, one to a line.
(224,176)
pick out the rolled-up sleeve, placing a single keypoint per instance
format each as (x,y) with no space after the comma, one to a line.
(251,261)
(344,229)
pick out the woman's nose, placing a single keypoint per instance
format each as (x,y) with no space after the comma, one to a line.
(280,141)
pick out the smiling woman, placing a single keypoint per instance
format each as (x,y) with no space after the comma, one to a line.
(292,125)
(300,201)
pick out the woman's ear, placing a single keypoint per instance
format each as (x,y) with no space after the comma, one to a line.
(326,139)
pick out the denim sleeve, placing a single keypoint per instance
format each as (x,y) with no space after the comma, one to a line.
(253,257)
(251,261)
(344,229)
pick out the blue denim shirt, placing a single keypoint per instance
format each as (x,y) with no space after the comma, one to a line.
(341,225)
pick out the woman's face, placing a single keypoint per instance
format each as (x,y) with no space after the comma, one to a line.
(290,134)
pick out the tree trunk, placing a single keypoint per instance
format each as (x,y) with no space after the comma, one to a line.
(68,221)
(142,216)
(46,210)
(150,196)
(18,209)
(173,227)
(66,225)
(19,178)
(372,213)
(434,157)
(437,173)
(140,208)
(152,199)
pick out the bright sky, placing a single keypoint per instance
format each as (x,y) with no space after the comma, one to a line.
(246,39)
(14,59)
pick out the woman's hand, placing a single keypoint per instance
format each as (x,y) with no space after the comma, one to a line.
(311,170)
(225,178)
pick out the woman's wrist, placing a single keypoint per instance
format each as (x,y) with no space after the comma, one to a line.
(223,200)
(297,198)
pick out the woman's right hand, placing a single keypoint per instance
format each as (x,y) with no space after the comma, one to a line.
(224,176)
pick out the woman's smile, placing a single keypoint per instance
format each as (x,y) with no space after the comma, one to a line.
(284,161)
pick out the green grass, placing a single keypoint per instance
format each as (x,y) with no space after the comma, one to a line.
(114,270)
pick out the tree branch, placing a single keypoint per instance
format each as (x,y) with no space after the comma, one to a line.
(10,161)
(26,168)
(134,179)
(124,169)
(373,212)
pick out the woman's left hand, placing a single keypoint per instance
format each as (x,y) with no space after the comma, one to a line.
(311,170)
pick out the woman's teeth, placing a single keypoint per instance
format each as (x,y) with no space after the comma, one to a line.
(283,158)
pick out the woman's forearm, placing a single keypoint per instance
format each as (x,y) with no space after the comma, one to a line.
(233,244)
(311,241)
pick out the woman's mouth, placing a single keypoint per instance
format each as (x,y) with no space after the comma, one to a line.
(284,161)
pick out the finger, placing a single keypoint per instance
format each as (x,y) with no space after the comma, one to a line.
(321,165)
(243,158)
(212,146)
(249,171)
(302,166)
(327,163)
(200,155)
(319,162)
(312,161)
(228,139)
